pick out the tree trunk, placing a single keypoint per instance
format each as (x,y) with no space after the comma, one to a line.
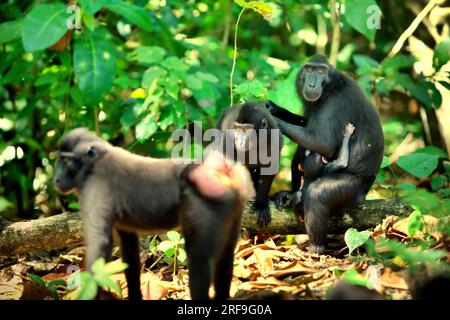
(65,229)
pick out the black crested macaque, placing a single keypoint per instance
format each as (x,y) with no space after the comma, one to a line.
(130,193)
(255,136)
(315,165)
(331,101)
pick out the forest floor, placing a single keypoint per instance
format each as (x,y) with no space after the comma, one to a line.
(265,267)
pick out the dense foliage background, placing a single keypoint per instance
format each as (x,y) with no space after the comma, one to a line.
(136,70)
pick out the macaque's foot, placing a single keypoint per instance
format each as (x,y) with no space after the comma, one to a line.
(317,249)
(263,215)
(349,129)
(282,199)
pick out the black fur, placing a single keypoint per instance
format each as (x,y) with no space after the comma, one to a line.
(341,102)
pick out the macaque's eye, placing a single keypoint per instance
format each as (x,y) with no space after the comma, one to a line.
(92,152)
(321,70)
(309,69)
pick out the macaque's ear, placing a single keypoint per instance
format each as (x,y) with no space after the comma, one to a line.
(264,123)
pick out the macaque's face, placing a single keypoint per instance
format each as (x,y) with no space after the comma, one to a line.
(73,166)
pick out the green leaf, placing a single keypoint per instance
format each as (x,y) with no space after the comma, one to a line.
(366,65)
(92,6)
(165,245)
(148,54)
(425,201)
(415,223)
(174,63)
(169,252)
(406,186)
(98,265)
(207,77)
(441,53)
(36,279)
(105,281)
(134,14)
(357,14)
(114,267)
(418,164)
(94,65)
(353,277)
(88,287)
(438,182)
(385,163)
(392,65)
(89,21)
(152,74)
(354,239)
(420,93)
(10,30)
(181,255)
(173,236)
(432,150)
(285,94)
(43,26)
(146,128)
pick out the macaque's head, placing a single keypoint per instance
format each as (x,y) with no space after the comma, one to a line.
(77,154)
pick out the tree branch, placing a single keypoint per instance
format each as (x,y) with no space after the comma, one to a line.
(64,230)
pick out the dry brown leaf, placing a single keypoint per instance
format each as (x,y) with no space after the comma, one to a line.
(264,261)
(430,226)
(262,283)
(294,270)
(249,251)
(393,280)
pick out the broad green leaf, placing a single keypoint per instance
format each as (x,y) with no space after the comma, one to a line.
(146,128)
(88,287)
(354,239)
(114,267)
(148,54)
(165,245)
(134,14)
(390,66)
(406,186)
(181,255)
(36,279)
(105,281)
(207,77)
(174,63)
(169,252)
(89,21)
(94,65)
(98,265)
(285,94)
(365,64)
(358,14)
(174,236)
(415,223)
(418,164)
(385,163)
(423,200)
(92,6)
(438,182)
(432,150)
(420,93)
(44,25)
(353,277)
(441,53)
(10,30)
(152,74)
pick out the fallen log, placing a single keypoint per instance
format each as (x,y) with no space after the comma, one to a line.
(64,230)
